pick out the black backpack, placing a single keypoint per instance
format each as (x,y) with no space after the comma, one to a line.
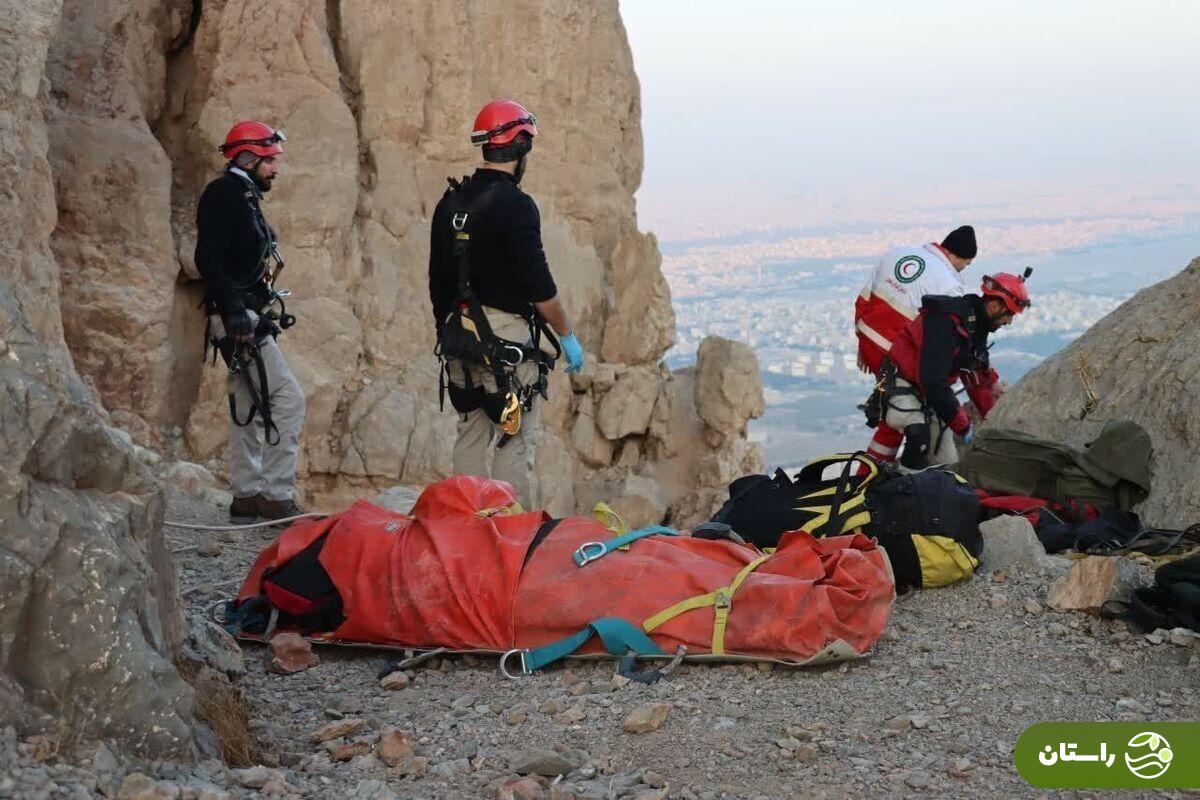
(926,521)
(1174,599)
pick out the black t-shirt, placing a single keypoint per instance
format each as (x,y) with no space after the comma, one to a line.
(508,265)
(231,241)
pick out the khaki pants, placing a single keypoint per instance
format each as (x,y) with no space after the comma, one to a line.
(256,467)
(904,410)
(516,461)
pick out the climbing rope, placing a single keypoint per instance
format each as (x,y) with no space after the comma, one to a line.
(267,524)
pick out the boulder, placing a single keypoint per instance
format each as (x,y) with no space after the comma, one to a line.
(729,391)
(1009,542)
(1094,580)
(641,327)
(593,448)
(626,408)
(1141,363)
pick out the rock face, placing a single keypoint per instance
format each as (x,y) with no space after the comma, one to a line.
(1141,362)
(377,98)
(729,392)
(110,113)
(89,612)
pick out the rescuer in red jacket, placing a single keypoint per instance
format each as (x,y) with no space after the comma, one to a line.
(915,402)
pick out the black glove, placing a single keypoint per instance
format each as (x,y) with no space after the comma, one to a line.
(239,326)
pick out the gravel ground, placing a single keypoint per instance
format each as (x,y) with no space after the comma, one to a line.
(933,712)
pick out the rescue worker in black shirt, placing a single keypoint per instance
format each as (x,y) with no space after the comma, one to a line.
(915,402)
(490,284)
(236,255)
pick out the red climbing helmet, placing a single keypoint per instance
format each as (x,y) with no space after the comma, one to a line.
(1009,289)
(500,121)
(253,137)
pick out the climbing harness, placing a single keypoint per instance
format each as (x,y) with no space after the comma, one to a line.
(270,316)
(466,335)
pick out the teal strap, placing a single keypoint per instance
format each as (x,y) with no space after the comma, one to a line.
(590,551)
(618,636)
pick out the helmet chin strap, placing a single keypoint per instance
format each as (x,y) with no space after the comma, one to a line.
(519,171)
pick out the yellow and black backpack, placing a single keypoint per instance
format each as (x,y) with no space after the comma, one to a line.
(928,522)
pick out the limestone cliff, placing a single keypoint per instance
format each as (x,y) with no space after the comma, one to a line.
(110,113)
(1141,362)
(377,99)
(89,612)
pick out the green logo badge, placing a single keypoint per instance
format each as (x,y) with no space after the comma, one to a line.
(1101,755)
(909,268)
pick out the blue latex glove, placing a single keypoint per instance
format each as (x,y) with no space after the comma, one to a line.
(573,350)
(969,434)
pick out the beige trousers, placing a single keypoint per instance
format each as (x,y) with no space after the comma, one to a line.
(475,451)
(256,467)
(907,411)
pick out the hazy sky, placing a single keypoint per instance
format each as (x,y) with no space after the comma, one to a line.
(823,97)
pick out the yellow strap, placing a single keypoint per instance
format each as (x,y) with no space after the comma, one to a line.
(723,609)
(610,519)
(514,508)
(852,522)
(721,600)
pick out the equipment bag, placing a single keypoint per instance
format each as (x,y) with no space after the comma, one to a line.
(926,521)
(1174,599)
(1113,472)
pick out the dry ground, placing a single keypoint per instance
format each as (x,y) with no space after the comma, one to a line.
(933,712)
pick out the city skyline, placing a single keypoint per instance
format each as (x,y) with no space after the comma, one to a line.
(771,115)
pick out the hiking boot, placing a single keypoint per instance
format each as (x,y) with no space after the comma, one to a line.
(246,510)
(279,509)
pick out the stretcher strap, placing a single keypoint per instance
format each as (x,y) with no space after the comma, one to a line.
(720,599)
(618,636)
(590,551)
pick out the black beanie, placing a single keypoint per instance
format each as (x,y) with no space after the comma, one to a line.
(961,242)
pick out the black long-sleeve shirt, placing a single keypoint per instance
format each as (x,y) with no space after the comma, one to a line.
(508,265)
(949,346)
(231,241)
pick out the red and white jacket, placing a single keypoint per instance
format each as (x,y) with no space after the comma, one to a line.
(892,296)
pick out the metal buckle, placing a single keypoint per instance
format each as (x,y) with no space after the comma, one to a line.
(459,220)
(520,355)
(504,664)
(582,557)
(722,598)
